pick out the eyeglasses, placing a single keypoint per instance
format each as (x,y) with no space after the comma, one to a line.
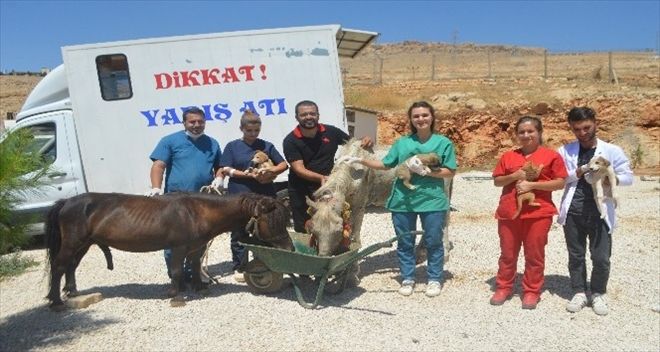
(309,113)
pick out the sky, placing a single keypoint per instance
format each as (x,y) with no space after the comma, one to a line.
(32,32)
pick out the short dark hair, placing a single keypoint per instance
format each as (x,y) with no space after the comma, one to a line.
(535,121)
(306,103)
(581,113)
(421,104)
(193,110)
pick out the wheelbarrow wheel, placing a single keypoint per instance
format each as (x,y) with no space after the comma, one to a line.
(260,279)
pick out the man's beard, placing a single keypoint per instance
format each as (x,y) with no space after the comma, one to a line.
(309,124)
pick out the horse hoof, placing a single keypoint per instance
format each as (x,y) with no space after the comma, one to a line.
(69,294)
(177,302)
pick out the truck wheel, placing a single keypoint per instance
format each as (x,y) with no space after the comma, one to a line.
(260,279)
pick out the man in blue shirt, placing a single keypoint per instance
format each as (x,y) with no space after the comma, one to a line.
(189,159)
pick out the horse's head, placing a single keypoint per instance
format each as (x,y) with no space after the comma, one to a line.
(269,222)
(326,223)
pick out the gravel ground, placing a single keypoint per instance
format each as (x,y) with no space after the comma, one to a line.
(135,315)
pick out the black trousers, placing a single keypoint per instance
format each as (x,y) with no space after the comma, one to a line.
(577,230)
(299,207)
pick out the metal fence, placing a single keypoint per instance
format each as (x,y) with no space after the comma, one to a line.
(637,67)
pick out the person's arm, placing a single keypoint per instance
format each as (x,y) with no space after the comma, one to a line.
(268,175)
(299,168)
(373,164)
(552,185)
(501,181)
(443,172)
(156,174)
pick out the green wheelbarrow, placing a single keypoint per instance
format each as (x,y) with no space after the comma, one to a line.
(264,274)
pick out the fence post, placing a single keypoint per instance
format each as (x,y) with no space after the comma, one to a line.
(433,68)
(609,71)
(490,72)
(380,74)
(545,64)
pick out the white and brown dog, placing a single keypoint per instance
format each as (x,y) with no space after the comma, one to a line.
(259,163)
(598,169)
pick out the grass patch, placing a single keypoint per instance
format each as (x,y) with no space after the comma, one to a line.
(375,98)
(14,264)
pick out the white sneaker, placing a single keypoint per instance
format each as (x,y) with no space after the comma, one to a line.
(239,277)
(578,302)
(433,289)
(599,304)
(407,287)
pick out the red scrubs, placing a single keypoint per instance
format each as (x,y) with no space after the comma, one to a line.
(530,229)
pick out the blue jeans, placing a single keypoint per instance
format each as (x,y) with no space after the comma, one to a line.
(432,224)
(187,269)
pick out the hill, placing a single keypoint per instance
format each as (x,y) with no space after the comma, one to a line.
(479,91)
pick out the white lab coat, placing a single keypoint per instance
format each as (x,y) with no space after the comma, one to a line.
(611,152)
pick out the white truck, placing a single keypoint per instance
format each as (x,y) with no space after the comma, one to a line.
(99,115)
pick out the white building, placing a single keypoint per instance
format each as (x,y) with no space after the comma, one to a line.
(362,122)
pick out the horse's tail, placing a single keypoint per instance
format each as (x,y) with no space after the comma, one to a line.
(53,233)
(108,255)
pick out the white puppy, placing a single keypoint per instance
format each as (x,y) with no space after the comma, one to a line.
(597,170)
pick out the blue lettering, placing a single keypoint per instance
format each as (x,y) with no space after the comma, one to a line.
(170,117)
(248,105)
(207,112)
(268,105)
(151,117)
(223,114)
(281,106)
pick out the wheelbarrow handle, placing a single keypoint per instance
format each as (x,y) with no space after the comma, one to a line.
(363,253)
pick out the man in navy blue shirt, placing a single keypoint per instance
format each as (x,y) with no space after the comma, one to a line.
(189,159)
(310,150)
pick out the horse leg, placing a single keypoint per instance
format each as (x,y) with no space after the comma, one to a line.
(70,288)
(176,268)
(195,258)
(58,267)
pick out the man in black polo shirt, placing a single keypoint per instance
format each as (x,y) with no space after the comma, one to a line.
(310,150)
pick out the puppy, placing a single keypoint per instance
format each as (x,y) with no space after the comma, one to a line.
(259,163)
(535,170)
(600,169)
(430,160)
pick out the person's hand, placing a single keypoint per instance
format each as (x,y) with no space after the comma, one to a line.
(347,159)
(415,165)
(524,186)
(154,192)
(519,175)
(584,168)
(264,176)
(366,142)
(217,183)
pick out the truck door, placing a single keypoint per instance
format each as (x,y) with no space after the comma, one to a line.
(55,140)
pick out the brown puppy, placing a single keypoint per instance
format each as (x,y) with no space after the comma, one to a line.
(599,170)
(535,170)
(429,160)
(260,162)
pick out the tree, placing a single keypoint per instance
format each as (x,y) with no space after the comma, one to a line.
(22,168)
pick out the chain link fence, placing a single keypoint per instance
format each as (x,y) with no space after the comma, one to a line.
(636,68)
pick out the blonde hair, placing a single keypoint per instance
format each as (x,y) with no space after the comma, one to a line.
(249,118)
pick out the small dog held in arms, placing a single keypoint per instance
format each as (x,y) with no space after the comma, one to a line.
(430,161)
(260,162)
(535,170)
(598,170)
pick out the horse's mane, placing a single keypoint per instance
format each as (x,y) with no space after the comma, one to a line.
(340,180)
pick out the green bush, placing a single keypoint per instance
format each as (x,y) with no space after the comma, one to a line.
(21,171)
(14,264)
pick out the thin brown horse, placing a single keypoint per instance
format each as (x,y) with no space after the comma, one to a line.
(184,222)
